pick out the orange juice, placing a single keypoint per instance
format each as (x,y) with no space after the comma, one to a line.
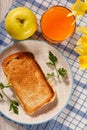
(55,25)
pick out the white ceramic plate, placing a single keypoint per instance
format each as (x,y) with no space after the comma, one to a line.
(40,49)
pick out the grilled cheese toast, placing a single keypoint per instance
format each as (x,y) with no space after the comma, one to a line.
(27,81)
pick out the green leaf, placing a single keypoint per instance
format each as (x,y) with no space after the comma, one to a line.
(49,63)
(49,75)
(1,86)
(1,96)
(14,106)
(52,58)
(62,72)
(7,86)
(59,71)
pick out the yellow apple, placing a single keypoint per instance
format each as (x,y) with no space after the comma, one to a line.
(21,23)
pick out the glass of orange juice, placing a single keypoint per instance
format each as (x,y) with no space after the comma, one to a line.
(55,25)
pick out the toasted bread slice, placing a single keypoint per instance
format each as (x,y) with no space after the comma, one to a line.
(27,81)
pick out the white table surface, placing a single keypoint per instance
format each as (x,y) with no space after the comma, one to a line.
(5,124)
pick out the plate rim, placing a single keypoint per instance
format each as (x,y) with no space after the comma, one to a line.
(68,99)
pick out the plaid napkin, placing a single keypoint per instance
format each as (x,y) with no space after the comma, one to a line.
(74,115)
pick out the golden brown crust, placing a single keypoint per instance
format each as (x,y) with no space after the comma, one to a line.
(27,81)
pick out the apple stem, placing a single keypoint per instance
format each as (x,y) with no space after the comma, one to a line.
(21,20)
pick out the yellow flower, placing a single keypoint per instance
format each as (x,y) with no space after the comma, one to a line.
(79,8)
(82,41)
(81,50)
(81,47)
(82,29)
(83,61)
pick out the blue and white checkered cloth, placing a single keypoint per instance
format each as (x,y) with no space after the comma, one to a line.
(74,116)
